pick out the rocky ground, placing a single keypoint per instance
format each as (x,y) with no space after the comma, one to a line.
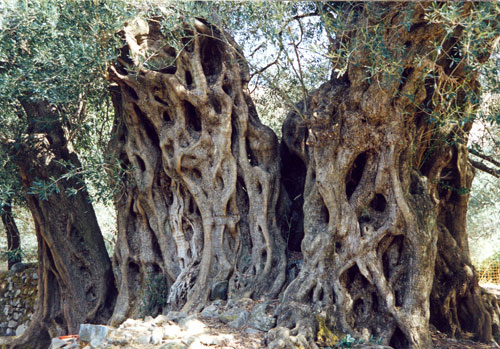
(220,325)
(240,324)
(216,327)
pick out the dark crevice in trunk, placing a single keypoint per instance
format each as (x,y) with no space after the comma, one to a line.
(398,340)
(148,126)
(193,119)
(354,174)
(293,173)
(378,203)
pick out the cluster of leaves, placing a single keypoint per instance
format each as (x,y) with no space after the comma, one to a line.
(58,52)
(15,254)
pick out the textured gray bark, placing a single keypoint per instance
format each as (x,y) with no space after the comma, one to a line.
(75,278)
(385,197)
(206,176)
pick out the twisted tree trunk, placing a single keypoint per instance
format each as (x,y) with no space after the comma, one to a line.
(75,278)
(13,236)
(382,187)
(206,179)
(385,196)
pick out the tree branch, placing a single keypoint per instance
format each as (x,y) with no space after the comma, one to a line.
(485,157)
(484,168)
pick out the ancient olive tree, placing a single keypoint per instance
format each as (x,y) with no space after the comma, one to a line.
(373,167)
(50,64)
(206,179)
(387,178)
(377,154)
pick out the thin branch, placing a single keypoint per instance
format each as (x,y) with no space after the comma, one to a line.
(280,33)
(275,61)
(485,157)
(482,167)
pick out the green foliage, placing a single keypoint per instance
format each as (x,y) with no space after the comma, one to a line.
(14,255)
(57,50)
(346,342)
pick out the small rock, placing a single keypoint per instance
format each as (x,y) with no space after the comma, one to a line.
(6,310)
(143,339)
(20,329)
(260,317)
(196,345)
(211,311)
(93,333)
(192,325)
(176,316)
(211,340)
(171,331)
(119,338)
(240,321)
(17,293)
(240,303)
(16,316)
(231,315)
(96,343)
(252,331)
(12,324)
(190,340)
(148,318)
(129,323)
(219,290)
(160,319)
(17,268)
(173,345)
(157,336)
(57,343)
(35,276)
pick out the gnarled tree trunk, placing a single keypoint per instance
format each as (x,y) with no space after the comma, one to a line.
(385,196)
(13,236)
(76,282)
(206,178)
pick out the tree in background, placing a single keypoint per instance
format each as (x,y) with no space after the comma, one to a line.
(10,187)
(52,64)
(484,207)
